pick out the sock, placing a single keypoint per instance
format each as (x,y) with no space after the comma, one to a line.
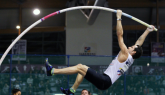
(52,71)
(72,90)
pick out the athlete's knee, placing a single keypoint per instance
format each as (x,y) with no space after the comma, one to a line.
(81,67)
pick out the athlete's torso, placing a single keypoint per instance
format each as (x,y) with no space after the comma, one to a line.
(116,69)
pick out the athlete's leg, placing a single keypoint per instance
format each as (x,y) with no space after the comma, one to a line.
(73,89)
(78,81)
(82,69)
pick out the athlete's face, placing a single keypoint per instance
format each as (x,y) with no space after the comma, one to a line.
(131,49)
(18,93)
(84,92)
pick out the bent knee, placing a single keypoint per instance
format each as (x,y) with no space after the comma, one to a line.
(82,67)
(79,66)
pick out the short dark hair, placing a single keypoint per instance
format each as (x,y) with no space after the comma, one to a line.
(14,91)
(139,52)
(86,90)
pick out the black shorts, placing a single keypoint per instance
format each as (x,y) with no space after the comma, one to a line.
(101,81)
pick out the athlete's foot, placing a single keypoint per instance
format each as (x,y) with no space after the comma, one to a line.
(66,91)
(48,67)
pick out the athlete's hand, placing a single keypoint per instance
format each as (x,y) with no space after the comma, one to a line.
(118,14)
(151,29)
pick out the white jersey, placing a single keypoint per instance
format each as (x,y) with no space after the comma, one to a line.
(116,69)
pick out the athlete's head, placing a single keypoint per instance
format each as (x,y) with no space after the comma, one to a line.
(136,51)
(16,92)
(85,92)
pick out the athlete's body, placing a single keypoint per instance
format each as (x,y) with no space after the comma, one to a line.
(118,66)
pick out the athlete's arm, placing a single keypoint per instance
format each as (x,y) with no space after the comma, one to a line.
(123,55)
(119,32)
(144,35)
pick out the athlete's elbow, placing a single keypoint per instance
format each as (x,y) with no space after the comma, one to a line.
(119,34)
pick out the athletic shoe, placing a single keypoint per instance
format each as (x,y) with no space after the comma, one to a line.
(66,91)
(48,67)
